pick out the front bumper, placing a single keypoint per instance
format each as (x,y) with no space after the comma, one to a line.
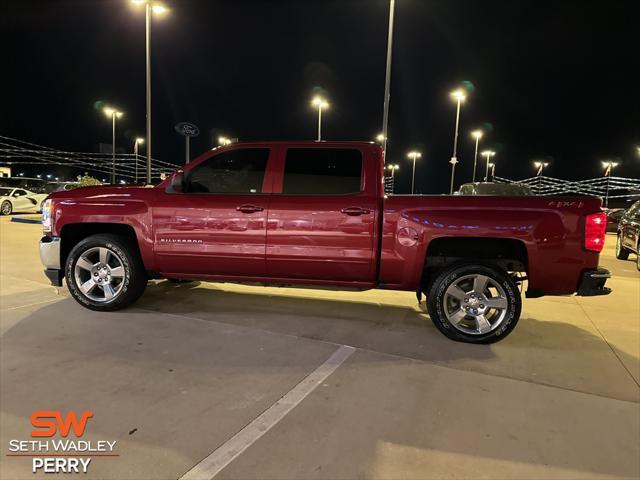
(592,283)
(50,258)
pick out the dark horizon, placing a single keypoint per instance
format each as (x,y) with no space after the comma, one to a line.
(554,79)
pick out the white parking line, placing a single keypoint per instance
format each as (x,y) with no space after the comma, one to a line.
(232,448)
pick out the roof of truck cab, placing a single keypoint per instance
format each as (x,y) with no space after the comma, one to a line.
(311,143)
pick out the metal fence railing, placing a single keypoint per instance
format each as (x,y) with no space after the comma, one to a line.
(607,187)
(129,167)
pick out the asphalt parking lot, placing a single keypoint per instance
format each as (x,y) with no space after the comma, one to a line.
(251,382)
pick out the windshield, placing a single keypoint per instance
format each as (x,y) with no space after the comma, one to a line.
(5,191)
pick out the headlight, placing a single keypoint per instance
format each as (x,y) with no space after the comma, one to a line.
(46,216)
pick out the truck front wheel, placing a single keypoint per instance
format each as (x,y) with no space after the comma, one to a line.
(474,303)
(104,272)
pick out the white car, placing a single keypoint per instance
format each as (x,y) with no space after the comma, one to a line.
(20,200)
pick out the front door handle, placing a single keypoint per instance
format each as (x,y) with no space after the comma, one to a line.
(249,209)
(355,211)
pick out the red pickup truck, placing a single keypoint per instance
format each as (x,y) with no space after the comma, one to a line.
(314,213)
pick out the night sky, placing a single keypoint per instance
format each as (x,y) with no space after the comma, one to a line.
(555,79)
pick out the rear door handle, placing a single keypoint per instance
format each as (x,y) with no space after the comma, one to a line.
(355,211)
(249,209)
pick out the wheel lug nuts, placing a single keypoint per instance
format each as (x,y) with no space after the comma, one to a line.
(481,306)
(466,300)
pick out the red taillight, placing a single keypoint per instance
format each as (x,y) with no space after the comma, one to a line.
(595,228)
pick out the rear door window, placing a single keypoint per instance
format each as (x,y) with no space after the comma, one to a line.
(322,171)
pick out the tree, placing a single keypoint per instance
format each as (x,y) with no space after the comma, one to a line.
(87,181)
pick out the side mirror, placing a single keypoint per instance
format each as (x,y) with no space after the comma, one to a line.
(177,183)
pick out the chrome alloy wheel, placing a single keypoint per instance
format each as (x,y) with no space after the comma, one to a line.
(618,245)
(475,304)
(6,208)
(99,274)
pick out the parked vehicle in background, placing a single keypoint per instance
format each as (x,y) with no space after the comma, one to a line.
(494,189)
(613,218)
(315,213)
(35,185)
(628,240)
(19,200)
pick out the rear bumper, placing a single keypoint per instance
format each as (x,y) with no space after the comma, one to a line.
(592,283)
(50,258)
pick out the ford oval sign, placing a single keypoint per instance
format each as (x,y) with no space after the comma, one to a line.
(187,129)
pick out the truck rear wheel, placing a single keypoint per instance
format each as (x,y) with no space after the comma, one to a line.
(474,303)
(104,272)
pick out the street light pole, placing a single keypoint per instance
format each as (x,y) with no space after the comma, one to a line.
(387,80)
(413,155)
(135,151)
(392,168)
(148,73)
(540,166)
(477,134)
(113,113)
(609,166)
(113,148)
(150,8)
(320,103)
(459,96)
(488,154)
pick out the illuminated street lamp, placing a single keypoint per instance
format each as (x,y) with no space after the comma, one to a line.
(113,113)
(320,103)
(380,138)
(608,166)
(413,155)
(540,166)
(489,155)
(392,167)
(222,141)
(154,8)
(477,135)
(138,141)
(459,96)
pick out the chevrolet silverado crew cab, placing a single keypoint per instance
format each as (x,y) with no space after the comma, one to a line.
(314,213)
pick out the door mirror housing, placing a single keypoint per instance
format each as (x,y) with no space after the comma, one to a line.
(177,184)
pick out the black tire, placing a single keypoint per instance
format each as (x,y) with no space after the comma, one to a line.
(638,256)
(123,253)
(621,252)
(6,208)
(503,323)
